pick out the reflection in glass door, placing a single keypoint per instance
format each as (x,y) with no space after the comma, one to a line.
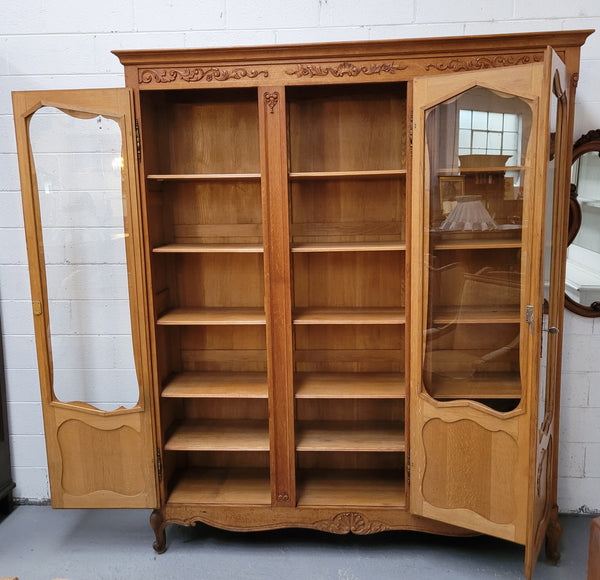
(78,171)
(477,150)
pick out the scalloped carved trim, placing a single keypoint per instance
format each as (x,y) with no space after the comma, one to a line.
(354,522)
(197,74)
(343,69)
(482,62)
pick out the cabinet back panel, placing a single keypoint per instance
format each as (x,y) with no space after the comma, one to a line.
(481,277)
(225,212)
(351,460)
(348,348)
(339,210)
(350,410)
(350,361)
(462,355)
(384,337)
(208,133)
(233,459)
(223,348)
(347,128)
(223,338)
(223,280)
(226,409)
(346,280)
(224,204)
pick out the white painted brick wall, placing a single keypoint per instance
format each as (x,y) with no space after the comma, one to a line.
(65,44)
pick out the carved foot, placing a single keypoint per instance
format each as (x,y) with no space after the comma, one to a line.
(553,534)
(158,525)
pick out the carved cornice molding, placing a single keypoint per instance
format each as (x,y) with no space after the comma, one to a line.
(354,522)
(196,74)
(482,62)
(344,69)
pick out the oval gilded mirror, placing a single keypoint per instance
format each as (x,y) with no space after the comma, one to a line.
(582,281)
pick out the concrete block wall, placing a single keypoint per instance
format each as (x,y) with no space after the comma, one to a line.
(66,44)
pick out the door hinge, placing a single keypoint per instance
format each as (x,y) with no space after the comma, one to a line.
(159,464)
(408,469)
(410,133)
(138,145)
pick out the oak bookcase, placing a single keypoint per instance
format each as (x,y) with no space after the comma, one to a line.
(340,259)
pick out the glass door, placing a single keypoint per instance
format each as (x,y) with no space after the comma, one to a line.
(477,268)
(77,164)
(558,146)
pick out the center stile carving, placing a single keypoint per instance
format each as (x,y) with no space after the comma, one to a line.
(271,100)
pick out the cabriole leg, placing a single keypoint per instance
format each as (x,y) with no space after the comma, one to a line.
(553,534)
(158,525)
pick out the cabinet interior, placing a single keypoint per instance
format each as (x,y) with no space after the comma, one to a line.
(347,210)
(347,187)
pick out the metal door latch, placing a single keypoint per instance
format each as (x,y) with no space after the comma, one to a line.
(529,317)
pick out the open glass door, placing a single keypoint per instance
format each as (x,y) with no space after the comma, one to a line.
(78,180)
(479,160)
(558,149)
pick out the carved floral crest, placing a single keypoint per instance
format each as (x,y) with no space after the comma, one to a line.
(343,69)
(354,522)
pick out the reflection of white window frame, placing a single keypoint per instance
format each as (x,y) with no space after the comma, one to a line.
(490,133)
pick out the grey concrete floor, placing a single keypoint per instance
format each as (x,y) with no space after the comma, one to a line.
(38,543)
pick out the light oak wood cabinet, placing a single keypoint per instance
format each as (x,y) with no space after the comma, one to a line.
(337,271)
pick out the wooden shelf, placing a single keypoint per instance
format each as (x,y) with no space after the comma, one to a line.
(489,386)
(222,487)
(374,174)
(490,169)
(349,386)
(212,316)
(349,247)
(205,177)
(220,435)
(351,488)
(349,436)
(349,316)
(224,385)
(477,315)
(209,249)
(477,244)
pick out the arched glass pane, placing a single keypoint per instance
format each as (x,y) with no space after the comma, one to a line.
(477,146)
(78,171)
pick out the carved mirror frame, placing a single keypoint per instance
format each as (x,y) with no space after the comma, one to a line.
(586,143)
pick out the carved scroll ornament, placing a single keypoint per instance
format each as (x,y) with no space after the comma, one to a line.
(482,62)
(343,69)
(196,74)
